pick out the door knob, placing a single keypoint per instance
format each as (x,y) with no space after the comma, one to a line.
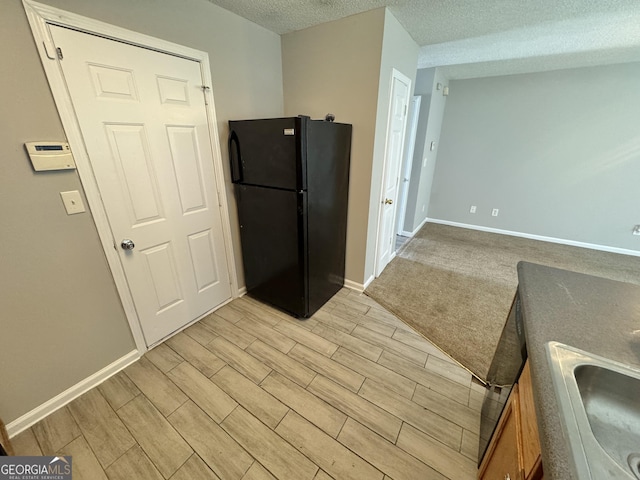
(127,244)
(388,201)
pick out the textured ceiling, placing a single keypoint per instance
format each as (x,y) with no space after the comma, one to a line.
(474,38)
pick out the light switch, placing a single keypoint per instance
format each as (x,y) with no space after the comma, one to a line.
(72,202)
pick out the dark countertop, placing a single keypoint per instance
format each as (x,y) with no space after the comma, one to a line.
(595,314)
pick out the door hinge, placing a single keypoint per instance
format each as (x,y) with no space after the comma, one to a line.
(58,52)
(405,110)
(205,89)
(219,200)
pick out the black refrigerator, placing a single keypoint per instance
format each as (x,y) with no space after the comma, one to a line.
(291,179)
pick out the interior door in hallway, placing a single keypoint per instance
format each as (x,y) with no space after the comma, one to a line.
(396,127)
(143,118)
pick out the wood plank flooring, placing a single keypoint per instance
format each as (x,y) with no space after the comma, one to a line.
(251,393)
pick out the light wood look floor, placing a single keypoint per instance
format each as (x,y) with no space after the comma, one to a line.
(251,393)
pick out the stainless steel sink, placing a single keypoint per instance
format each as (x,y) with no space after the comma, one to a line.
(599,401)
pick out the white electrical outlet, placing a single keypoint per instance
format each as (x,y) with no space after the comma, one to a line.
(494,212)
(472,209)
(423,208)
(636,230)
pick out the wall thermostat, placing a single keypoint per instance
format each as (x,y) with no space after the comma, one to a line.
(50,156)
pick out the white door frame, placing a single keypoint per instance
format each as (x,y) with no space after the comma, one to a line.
(412,125)
(40,16)
(395,74)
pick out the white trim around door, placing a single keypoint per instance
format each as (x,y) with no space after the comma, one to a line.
(386,170)
(40,17)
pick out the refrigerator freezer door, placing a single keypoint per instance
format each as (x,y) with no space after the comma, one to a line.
(273,237)
(268,152)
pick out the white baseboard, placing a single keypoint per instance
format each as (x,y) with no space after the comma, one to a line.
(368,282)
(242,291)
(417,229)
(562,241)
(59,401)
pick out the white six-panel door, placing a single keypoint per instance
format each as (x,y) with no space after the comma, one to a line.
(396,127)
(144,123)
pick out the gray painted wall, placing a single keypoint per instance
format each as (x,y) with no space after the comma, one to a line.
(424,81)
(416,164)
(424,159)
(62,319)
(557,152)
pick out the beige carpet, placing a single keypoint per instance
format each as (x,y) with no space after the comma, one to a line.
(455,285)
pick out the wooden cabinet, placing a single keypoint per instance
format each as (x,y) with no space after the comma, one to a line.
(503,459)
(514,451)
(531,453)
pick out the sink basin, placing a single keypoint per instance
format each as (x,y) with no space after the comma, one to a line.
(599,402)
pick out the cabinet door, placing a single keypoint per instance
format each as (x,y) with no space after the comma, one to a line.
(504,460)
(530,439)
